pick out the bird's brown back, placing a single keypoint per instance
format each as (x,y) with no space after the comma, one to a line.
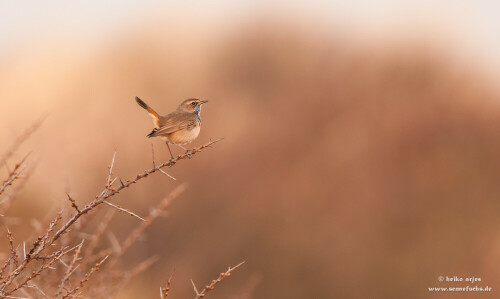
(176,121)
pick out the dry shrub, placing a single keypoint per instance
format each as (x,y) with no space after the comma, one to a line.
(57,262)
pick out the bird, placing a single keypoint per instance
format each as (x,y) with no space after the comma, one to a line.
(179,127)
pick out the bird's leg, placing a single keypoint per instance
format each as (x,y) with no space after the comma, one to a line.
(182,147)
(188,152)
(169,150)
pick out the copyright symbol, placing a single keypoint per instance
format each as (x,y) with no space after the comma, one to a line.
(440,278)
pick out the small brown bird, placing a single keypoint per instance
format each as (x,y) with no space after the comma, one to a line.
(179,127)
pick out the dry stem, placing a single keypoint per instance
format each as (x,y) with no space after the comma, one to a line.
(211,286)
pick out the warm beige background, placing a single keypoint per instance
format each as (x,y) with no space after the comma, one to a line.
(360,159)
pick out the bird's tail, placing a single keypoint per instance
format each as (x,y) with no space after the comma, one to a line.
(154,115)
(152,134)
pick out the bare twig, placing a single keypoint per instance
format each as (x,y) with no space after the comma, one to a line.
(164,291)
(100,232)
(94,269)
(69,269)
(73,203)
(124,210)
(40,290)
(165,173)
(154,164)
(211,286)
(153,214)
(10,180)
(34,274)
(110,173)
(14,174)
(12,256)
(13,251)
(5,203)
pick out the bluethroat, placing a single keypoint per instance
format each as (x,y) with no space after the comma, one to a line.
(179,127)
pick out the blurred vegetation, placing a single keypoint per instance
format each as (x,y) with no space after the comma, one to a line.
(346,171)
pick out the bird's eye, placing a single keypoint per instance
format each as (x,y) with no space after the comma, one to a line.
(193,103)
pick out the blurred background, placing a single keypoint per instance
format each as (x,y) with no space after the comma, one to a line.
(361,147)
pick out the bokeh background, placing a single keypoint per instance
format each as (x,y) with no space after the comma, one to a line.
(361,147)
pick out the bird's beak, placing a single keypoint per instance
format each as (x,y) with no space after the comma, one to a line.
(203,102)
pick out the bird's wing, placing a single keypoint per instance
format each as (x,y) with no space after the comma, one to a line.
(174,122)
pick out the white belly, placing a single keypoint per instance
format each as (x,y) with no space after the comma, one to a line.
(183,136)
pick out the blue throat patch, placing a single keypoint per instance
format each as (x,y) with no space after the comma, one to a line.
(198,110)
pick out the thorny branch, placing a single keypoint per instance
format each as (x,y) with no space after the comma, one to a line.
(47,240)
(70,269)
(109,191)
(14,174)
(211,286)
(164,291)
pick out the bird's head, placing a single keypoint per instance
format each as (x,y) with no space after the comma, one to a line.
(191,105)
